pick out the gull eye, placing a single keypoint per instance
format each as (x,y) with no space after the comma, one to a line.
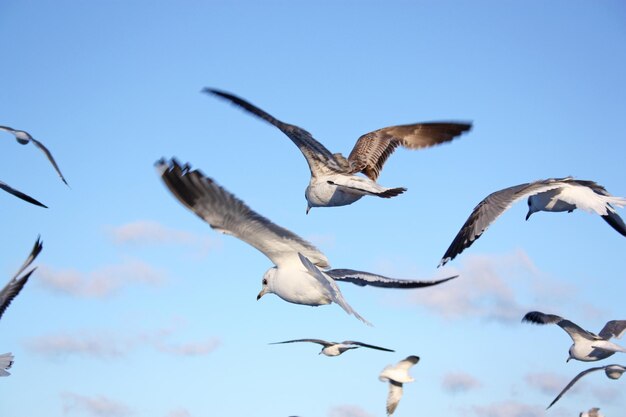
(264,281)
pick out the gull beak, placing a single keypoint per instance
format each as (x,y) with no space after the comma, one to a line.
(308,208)
(528,215)
(261,294)
(568,359)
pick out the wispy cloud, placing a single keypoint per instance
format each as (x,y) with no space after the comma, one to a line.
(492,288)
(547,383)
(180,412)
(108,345)
(348,411)
(508,409)
(145,232)
(459,382)
(102,282)
(99,406)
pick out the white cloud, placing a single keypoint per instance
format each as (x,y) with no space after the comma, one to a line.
(102,282)
(459,382)
(348,411)
(190,349)
(99,406)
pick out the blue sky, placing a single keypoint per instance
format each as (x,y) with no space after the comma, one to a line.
(138,308)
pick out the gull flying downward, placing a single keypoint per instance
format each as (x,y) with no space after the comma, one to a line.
(588,346)
(23,138)
(299,274)
(9,292)
(397,375)
(611,371)
(334,348)
(553,194)
(333,177)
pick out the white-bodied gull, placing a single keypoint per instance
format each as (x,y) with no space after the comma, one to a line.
(6,187)
(593,412)
(334,348)
(299,275)
(10,291)
(397,375)
(553,194)
(23,138)
(611,371)
(588,346)
(333,177)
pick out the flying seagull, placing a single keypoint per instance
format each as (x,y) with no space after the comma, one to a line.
(334,348)
(10,291)
(611,371)
(19,194)
(299,275)
(588,346)
(593,412)
(553,194)
(333,177)
(397,375)
(23,138)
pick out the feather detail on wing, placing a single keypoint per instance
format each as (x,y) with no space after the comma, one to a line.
(372,149)
(613,328)
(362,279)
(227,214)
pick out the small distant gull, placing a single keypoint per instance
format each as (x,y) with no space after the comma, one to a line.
(593,412)
(588,346)
(553,194)
(334,348)
(23,138)
(611,371)
(10,291)
(397,375)
(333,180)
(296,276)
(20,194)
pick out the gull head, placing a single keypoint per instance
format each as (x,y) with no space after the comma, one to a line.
(266,283)
(531,207)
(570,354)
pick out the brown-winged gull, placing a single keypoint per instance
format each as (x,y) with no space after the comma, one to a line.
(333,177)
(587,346)
(397,375)
(335,348)
(553,194)
(299,275)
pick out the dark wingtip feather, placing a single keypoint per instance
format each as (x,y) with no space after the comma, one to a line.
(616,222)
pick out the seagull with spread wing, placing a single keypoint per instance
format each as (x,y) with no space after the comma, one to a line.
(10,291)
(553,194)
(611,371)
(300,273)
(24,138)
(397,375)
(588,346)
(333,177)
(334,348)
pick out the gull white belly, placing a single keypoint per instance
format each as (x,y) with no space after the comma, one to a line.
(299,287)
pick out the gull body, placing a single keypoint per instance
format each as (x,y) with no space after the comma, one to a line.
(397,375)
(593,412)
(611,371)
(551,195)
(334,348)
(300,273)
(587,346)
(334,180)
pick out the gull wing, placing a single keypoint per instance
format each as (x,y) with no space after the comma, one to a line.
(394,396)
(352,342)
(362,279)
(319,341)
(226,213)
(372,149)
(20,195)
(408,362)
(613,328)
(15,285)
(331,287)
(573,330)
(50,158)
(492,207)
(573,381)
(320,159)
(6,360)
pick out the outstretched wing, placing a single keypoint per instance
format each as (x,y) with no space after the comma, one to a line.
(362,279)
(20,195)
(50,158)
(573,381)
(352,342)
(613,328)
(492,207)
(15,285)
(320,159)
(394,396)
(572,329)
(372,149)
(319,341)
(227,214)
